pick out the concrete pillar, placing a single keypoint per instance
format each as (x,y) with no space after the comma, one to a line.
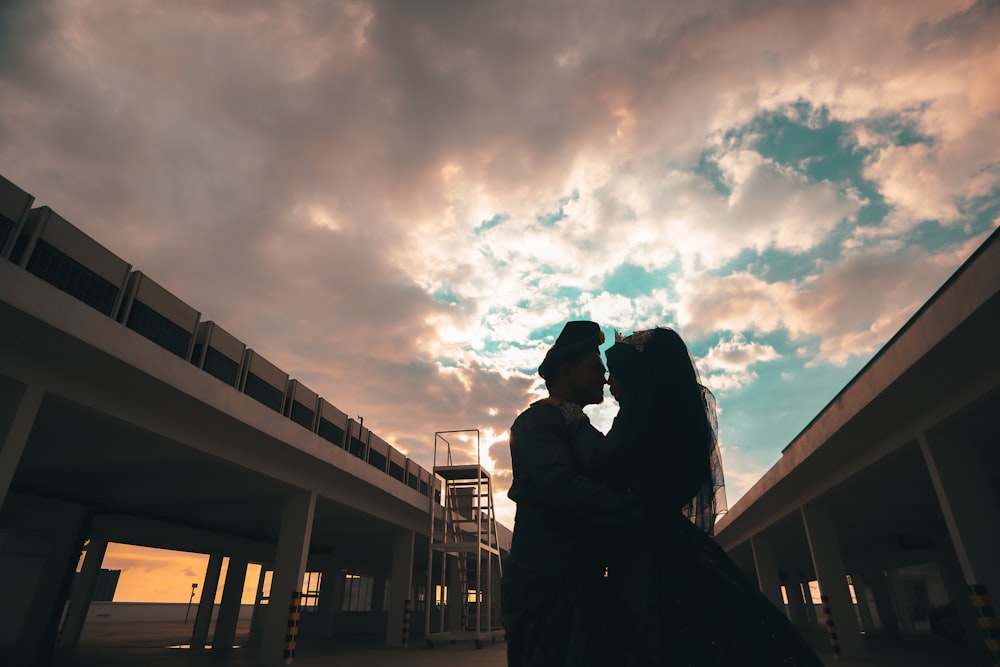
(797,611)
(327,603)
(18,408)
(229,608)
(813,615)
(378,592)
(402,582)
(903,615)
(878,580)
(289,566)
(860,593)
(206,603)
(67,530)
(970,509)
(832,575)
(766,564)
(958,593)
(255,617)
(81,594)
(339,590)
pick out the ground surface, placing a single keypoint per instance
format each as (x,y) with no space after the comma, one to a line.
(146,645)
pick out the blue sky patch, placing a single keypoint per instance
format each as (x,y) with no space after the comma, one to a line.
(550,219)
(446,294)
(901,130)
(491,223)
(708,169)
(791,401)
(549,332)
(630,280)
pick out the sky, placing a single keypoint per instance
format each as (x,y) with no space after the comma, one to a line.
(401,203)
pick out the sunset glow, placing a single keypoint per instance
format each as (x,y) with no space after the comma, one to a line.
(400,205)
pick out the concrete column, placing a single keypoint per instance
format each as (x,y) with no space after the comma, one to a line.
(255,617)
(812,615)
(339,590)
(18,408)
(858,582)
(206,603)
(229,608)
(829,565)
(67,529)
(327,601)
(899,597)
(81,594)
(289,566)
(768,578)
(797,606)
(402,582)
(958,593)
(878,579)
(969,506)
(378,591)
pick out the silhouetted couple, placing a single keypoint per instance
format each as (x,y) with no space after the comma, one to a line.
(612,560)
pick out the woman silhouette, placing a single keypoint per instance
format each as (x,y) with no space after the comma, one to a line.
(678,599)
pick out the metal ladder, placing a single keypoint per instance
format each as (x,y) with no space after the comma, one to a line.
(467,539)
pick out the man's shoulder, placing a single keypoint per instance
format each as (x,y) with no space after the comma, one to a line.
(538,413)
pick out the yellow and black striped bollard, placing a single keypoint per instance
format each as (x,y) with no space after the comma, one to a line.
(406,623)
(831,629)
(292,629)
(987,616)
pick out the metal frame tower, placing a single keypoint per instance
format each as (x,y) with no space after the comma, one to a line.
(467,539)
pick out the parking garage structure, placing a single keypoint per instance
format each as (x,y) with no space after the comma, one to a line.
(889,497)
(127,417)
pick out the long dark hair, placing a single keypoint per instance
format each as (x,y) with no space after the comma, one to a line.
(673,417)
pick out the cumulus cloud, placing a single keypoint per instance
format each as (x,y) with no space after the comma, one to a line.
(391,200)
(851,307)
(726,366)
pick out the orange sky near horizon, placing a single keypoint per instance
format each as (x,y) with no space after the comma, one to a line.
(163,575)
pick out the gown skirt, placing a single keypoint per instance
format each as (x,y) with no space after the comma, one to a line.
(688,604)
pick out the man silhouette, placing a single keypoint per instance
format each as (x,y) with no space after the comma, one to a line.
(553,580)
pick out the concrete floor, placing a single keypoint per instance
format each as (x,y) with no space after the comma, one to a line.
(144,645)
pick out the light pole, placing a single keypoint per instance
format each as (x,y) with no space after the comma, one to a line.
(194,587)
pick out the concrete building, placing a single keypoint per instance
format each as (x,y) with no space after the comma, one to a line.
(889,497)
(124,417)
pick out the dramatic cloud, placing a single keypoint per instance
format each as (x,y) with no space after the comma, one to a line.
(727,365)
(400,203)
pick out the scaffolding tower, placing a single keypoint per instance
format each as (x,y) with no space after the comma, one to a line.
(465,536)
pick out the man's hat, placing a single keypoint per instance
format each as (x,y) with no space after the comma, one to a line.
(576,337)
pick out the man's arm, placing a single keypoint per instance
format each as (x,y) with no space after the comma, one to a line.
(547,476)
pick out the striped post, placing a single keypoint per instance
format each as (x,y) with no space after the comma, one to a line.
(292,629)
(831,629)
(988,621)
(406,623)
